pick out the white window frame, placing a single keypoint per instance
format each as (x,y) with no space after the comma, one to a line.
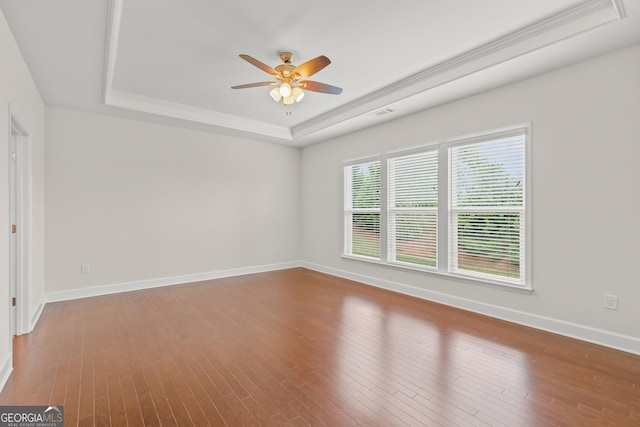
(444,212)
(391,232)
(349,211)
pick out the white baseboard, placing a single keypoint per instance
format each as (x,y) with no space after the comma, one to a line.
(165,281)
(5,371)
(585,333)
(36,315)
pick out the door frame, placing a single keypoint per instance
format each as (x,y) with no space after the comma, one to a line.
(23,197)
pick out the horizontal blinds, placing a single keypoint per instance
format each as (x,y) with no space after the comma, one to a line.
(413,238)
(489,243)
(456,208)
(413,181)
(413,201)
(365,185)
(362,191)
(365,235)
(487,207)
(489,173)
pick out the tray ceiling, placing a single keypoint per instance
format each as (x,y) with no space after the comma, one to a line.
(174,62)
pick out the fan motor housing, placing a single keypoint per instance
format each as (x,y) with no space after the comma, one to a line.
(285,69)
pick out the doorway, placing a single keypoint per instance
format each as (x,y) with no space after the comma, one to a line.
(20,219)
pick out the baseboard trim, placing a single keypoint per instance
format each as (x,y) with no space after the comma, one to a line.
(5,372)
(573,330)
(165,281)
(584,333)
(36,316)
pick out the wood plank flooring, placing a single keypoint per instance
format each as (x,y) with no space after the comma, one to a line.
(299,348)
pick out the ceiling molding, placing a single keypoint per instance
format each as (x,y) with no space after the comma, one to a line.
(582,17)
(111,48)
(622,13)
(160,107)
(190,113)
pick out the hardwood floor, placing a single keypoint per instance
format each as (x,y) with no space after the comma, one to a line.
(297,348)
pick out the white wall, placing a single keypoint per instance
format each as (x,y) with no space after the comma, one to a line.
(18,89)
(140,201)
(586,197)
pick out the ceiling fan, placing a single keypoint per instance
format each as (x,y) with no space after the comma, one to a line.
(292,79)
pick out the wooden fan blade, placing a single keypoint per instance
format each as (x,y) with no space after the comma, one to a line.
(320,87)
(311,67)
(264,67)
(254,85)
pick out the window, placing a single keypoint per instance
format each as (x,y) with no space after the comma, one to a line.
(413,209)
(487,208)
(362,210)
(457,208)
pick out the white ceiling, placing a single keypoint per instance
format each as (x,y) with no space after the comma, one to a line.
(175,61)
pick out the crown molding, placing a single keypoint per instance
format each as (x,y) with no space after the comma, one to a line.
(579,18)
(617,4)
(111,48)
(160,107)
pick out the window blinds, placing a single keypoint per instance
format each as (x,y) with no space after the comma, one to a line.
(362,215)
(456,208)
(487,208)
(413,209)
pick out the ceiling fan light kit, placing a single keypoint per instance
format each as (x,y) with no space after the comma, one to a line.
(291,79)
(285,90)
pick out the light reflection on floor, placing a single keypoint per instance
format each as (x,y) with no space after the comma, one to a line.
(385,356)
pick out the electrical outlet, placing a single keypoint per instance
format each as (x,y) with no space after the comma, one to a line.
(85,268)
(611,302)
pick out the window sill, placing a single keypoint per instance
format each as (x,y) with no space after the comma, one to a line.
(495,284)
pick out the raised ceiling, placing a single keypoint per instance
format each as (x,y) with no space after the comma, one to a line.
(175,61)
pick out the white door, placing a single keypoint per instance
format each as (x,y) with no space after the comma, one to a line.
(13,217)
